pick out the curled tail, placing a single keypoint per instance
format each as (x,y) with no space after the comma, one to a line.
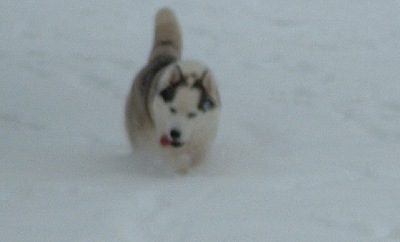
(167,36)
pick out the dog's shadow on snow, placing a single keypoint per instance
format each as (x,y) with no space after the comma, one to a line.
(139,164)
(152,167)
(125,162)
(227,157)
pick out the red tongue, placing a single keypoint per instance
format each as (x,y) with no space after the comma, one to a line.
(165,141)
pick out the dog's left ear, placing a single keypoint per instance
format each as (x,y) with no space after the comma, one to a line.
(208,91)
(205,81)
(209,85)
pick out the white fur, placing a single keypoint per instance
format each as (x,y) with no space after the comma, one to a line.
(148,117)
(198,133)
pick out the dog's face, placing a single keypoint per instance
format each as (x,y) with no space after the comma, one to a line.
(183,105)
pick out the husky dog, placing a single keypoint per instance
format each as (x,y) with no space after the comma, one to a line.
(174,104)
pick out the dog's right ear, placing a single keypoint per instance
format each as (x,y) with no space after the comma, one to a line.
(176,79)
(168,94)
(181,76)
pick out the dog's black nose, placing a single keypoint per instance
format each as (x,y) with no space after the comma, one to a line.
(175,134)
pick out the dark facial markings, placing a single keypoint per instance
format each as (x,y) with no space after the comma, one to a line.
(205,102)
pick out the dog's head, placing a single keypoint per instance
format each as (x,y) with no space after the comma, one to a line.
(185,101)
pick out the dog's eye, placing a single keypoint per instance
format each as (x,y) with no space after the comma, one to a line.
(173,110)
(192,115)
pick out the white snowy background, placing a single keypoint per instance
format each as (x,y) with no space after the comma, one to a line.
(309,142)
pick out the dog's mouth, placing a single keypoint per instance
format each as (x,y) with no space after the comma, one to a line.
(166,141)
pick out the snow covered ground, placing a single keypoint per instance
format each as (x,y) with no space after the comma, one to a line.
(309,142)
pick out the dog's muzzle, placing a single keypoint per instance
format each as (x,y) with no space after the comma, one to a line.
(166,141)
